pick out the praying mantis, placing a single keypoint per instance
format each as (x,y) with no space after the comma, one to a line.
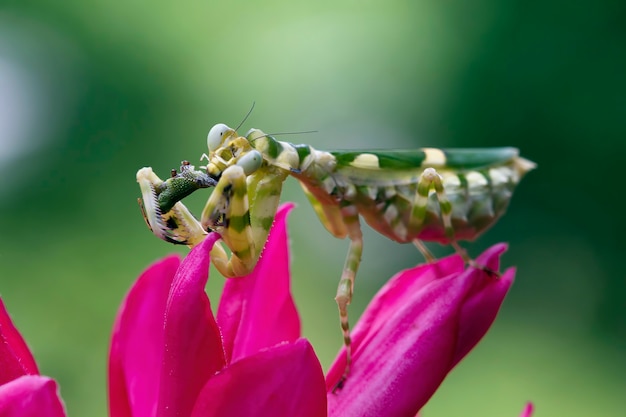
(409,196)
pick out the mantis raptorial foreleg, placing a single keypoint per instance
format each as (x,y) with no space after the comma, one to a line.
(242,209)
(227,212)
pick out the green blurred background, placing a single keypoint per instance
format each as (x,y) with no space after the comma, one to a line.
(92,91)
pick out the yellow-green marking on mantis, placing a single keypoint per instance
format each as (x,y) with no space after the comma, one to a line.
(410,196)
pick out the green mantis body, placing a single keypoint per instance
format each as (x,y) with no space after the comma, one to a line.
(409,196)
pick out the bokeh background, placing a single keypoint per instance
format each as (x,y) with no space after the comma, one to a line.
(92,91)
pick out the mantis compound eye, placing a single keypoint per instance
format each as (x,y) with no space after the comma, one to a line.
(215,136)
(250,162)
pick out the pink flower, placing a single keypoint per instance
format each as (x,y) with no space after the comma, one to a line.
(171,357)
(414,331)
(23,392)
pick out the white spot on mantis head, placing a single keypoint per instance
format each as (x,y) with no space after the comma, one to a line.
(216,135)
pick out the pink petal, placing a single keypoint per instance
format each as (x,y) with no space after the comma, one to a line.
(31,396)
(481,307)
(408,343)
(528,410)
(398,291)
(15,357)
(193,346)
(257,311)
(479,312)
(283,381)
(397,371)
(137,343)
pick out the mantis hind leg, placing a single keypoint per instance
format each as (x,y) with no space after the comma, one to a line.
(428,255)
(431,180)
(468,260)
